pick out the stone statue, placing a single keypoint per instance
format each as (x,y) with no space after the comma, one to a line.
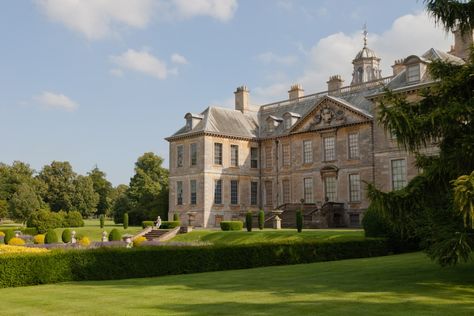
(73,237)
(158,222)
(104,236)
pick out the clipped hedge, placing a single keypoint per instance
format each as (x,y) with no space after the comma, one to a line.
(232,225)
(115,235)
(146,261)
(25,231)
(170,224)
(146,224)
(51,237)
(66,236)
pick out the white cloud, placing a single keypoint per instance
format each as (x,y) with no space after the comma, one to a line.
(116,72)
(144,62)
(219,9)
(97,19)
(51,100)
(409,34)
(179,59)
(269,57)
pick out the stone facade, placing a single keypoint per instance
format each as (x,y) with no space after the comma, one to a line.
(313,149)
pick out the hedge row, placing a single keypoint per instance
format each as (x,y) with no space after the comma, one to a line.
(164,224)
(231,225)
(25,231)
(119,263)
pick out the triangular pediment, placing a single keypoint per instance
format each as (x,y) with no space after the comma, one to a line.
(330,112)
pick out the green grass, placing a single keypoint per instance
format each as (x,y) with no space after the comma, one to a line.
(406,284)
(267,236)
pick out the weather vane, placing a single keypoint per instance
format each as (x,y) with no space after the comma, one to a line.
(365,34)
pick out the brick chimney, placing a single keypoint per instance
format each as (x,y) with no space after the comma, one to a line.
(334,84)
(242,103)
(295,92)
(398,66)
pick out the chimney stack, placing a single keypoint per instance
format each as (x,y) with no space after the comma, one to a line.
(462,44)
(398,66)
(295,92)
(242,99)
(334,84)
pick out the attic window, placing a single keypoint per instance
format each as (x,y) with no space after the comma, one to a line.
(287,122)
(413,73)
(189,123)
(270,125)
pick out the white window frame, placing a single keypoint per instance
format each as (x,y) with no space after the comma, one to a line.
(404,174)
(307,151)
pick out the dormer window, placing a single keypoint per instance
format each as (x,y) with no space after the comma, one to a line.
(270,125)
(287,122)
(189,123)
(413,73)
(290,118)
(192,120)
(272,122)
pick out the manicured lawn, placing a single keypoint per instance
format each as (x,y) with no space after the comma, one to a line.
(267,235)
(406,284)
(92,229)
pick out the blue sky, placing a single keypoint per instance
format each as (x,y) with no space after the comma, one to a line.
(100,82)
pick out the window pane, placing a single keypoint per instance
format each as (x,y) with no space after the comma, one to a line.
(413,73)
(353,146)
(193,192)
(234,192)
(268,193)
(179,193)
(268,156)
(193,150)
(308,190)
(329,149)
(218,153)
(218,192)
(307,152)
(354,187)
(330,188)
(253,193)
(287,122)
(253,157)
(286,191)
(398,174)
(286,154)
(234,155)
(179,156)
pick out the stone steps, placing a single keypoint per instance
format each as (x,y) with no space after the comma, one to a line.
(154,234)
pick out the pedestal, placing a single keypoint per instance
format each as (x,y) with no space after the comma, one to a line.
(277,222)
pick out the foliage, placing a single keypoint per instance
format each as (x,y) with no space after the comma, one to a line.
(45,219)
(85,198)
(73,219)
(24,202)
(51,237)
(39,239)
(3,209)
(231,225)
(8,249)
(175,217)
(248,221)
(115,235)
(108,263)
(120,203)
(66,236)
(146,224)
(2,234)
(425,208)
(464,197)
(170,224)
(299,221)
(9,234)
(261,219)
(148,190)
(101,220)
(374,223)
(103,188)
(84,241)
(125,220)
(16,241)
(137,241)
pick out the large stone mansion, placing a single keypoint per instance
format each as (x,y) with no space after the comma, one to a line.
(307,151)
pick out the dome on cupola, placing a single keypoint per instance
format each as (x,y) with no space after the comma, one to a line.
(366,64)
(365,53)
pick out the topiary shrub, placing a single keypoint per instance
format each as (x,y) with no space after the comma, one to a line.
(66,236)
(74,219)
(101,220)
(16,241)
(170,225)
(261,219)
(38,239)
(146,224)
(176,217)
(299,221)
(248,221)
(115,235)
(51,237)
(231,225)
(9,234)
(375,225)
(125,220)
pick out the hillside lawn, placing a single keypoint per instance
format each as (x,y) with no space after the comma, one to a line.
(408,284)
(266,235)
